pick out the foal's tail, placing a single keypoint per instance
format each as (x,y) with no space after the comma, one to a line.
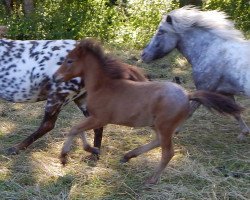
(218,102)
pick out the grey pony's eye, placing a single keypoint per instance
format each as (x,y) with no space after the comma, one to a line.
(161,32)
(169,19)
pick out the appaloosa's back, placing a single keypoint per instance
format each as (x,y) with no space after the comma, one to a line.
(26,67)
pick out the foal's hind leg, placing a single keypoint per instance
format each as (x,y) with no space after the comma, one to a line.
(140,150)
(244,128)
(165,138)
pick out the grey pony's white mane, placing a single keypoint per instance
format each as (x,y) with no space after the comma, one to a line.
(214,21)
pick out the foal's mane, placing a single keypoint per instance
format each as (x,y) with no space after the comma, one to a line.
(112,67)
(214,21)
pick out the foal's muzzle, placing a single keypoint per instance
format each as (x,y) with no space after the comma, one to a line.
(57,78)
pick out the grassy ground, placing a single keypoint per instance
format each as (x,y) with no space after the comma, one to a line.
(209,162)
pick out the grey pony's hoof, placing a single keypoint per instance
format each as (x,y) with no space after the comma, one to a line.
(242,137)
(12,151)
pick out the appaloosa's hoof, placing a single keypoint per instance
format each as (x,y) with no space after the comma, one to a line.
(124,160)
(63,159)
(12,151)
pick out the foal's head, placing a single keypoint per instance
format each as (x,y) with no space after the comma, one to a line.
(78,60)
(82,57)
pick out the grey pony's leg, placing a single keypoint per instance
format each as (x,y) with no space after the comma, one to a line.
(244,128)
(194,105)
(80,102)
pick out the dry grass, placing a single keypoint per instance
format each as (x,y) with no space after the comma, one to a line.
(209,162)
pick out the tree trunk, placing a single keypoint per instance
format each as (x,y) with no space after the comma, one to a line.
(3,31)
(8,6)
(190,2)
(28,6)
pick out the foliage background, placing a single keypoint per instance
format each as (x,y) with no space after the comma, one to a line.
(128,23)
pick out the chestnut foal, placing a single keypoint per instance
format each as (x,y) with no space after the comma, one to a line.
(112,99)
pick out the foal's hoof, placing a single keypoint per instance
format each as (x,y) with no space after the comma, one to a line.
(95,151)
(12,151)
(91,158)
(177,130)
(151,181)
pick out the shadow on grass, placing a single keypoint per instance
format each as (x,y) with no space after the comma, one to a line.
(19,176)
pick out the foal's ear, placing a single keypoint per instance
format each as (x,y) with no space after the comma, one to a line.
(169,19)
(81,51)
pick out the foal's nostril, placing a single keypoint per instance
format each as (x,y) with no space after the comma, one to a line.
(56,78)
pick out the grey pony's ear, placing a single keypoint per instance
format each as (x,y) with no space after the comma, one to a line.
(169,19)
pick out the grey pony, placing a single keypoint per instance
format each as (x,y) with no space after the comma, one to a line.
(218,53)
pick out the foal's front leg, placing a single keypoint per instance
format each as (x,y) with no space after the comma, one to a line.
(89,123)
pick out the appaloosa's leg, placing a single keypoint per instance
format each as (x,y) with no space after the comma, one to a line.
(80,102)
(140,150)
(46,125)
(244,128)
(87,124)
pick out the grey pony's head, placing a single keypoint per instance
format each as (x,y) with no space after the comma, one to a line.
(164,41)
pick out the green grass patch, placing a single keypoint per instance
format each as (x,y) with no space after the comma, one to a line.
(209,162)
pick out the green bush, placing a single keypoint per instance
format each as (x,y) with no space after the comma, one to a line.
(238,10)
(120,22)
(128,23)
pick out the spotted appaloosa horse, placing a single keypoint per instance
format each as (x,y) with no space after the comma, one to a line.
(26,69)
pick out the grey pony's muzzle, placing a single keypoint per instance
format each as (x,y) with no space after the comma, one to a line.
(144,57)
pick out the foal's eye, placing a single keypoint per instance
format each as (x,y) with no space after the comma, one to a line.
(69,61)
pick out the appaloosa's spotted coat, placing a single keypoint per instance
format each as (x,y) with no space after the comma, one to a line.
(26,69)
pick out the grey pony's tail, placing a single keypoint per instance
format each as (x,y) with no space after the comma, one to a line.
(215,101)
